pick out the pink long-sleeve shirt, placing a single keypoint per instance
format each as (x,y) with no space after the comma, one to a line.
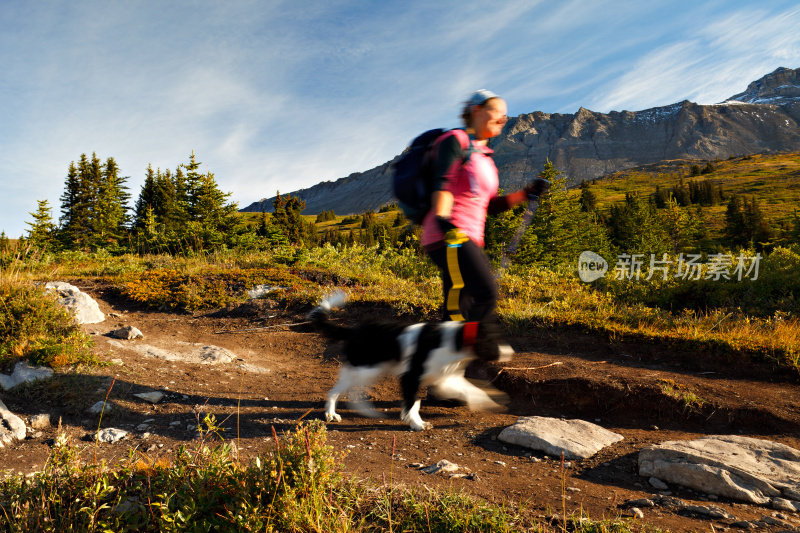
(473,184)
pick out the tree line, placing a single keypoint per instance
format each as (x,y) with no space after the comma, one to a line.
(185,210)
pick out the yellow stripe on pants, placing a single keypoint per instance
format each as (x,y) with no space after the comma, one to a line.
(454,293)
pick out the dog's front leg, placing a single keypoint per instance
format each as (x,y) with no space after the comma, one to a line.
(410,412)
(330,408)
(344,382)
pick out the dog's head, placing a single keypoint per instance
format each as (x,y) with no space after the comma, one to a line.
(486,340)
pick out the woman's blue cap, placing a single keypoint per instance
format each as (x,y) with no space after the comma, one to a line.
(480,96)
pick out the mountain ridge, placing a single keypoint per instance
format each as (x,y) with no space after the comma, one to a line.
(588,144)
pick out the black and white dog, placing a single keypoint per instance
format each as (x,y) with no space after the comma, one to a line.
(423,354)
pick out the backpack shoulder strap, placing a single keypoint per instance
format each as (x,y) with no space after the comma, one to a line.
(463,139)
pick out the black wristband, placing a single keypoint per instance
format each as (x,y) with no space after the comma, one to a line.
(444,224)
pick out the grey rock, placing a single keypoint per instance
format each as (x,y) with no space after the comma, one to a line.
(127,333)
(213,355)
(772,521)
(708,510)
(657,483)
(83,306)
(40,421)
(745,524)
(182,351)
(637,513)
(260,291)
(111,435)
(577,439)
(98,407)
(24,373)
(151,397)
(587,144)
(11,426)
(792,494)
(442,466)
(641,502)
(741,468)
(782,504)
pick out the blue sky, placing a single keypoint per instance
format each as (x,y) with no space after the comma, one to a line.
(275,95)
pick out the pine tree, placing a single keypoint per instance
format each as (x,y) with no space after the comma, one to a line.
(146,202)
(735,224)
(78,202)
(560,229)
(745,225)
(795,235)
(286,216)
(588,198)
(111,207)
(198,198)
(70,205)
(42,231)
(635,228)
(678,224)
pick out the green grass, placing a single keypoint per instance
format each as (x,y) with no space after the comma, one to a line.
(747,319)
(774,180)
(35,327)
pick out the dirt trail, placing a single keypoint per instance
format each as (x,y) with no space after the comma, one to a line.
(281,374)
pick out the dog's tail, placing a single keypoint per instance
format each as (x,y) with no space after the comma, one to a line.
(319,316)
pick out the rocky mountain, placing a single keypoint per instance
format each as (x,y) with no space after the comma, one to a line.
(587,144)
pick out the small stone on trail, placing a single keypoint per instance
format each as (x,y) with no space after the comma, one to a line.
(637,513)
(657,483)
(708,510)
(644,502)
(40,421)
(127,333)
(111,435)
(442,466)
(152,397)
(97,408)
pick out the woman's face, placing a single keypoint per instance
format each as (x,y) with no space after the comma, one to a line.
(488,120)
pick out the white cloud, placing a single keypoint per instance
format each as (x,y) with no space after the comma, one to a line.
(283,95)
(720,59)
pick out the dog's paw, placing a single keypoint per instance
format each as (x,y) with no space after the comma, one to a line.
(333,417)
(506,352)
(420,426)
